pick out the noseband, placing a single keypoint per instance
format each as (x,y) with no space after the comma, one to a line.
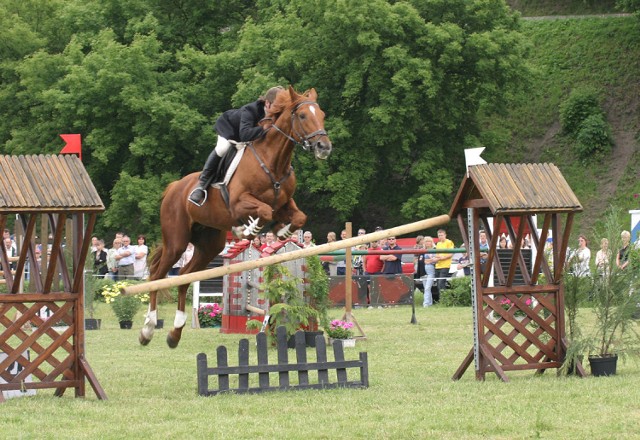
(304,138)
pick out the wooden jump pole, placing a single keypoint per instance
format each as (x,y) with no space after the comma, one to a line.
(167,283)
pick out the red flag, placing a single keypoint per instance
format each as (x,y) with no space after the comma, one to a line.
(73,144)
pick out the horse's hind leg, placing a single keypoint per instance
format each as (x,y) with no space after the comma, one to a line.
(207,244)
(160,265)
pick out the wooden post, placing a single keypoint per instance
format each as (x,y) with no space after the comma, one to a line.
(348,276)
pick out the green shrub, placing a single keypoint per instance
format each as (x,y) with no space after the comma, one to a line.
(594,137)
(459,294)
(581,104)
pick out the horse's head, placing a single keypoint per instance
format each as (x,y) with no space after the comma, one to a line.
(307,120)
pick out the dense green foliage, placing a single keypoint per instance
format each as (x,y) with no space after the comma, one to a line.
(583,120)
(567,55)
(459,294)
(402,84)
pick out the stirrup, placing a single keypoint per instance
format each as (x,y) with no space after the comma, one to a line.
(191,194)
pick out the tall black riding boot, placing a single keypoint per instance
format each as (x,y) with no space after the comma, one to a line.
(199,195)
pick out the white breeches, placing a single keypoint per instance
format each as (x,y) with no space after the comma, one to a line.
(222,146)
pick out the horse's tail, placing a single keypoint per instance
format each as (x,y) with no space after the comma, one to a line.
(155,262)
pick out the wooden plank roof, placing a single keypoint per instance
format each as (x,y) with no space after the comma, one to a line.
(516,188)
(46,183)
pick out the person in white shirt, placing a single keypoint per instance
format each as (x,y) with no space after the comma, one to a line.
(581,258)
(140,263)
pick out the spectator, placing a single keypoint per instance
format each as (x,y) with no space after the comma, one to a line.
(372,263)
(270,238)
(581,258)
(460,264)
(341,267)
(483,248)
(100,260)
(183,261)
(6,234)
(502,244)
(392,262)
(94,243)
(428,262)
(602,257)
(358,260)
(622,259)
(140,263)
(112,263)
(307,239)
(330,267)
(125,258)
(256,242)
(12,253)
(443,262)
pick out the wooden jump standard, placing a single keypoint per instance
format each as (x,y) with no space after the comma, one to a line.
(166,283)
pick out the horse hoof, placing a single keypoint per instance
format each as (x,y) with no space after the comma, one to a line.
(172,343)
(143,340)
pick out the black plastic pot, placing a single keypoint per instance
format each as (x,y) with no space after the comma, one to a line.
(92,324)
(125,325)
(160,323)
(603,366)
(310,338)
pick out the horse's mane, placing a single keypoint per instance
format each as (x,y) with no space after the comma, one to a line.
(282,102)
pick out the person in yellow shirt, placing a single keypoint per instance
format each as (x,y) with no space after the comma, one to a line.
(443,262)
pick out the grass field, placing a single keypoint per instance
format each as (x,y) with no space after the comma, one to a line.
(152,392)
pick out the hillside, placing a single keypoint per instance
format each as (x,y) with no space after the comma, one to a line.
(598,53)
(529,8)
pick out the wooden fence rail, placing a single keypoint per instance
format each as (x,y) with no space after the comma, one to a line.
(283,368)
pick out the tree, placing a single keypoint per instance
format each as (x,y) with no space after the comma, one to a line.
(402,84)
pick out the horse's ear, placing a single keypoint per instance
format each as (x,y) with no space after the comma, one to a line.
(312,94)
(292,94)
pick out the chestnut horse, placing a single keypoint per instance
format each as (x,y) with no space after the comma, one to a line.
(259,192)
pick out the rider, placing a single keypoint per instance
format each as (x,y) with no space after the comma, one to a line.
(239,125)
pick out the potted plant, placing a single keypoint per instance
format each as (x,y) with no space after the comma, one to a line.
(288,307)
(318,298)
(341,330)
(210,315)
(615,294)
(125,307)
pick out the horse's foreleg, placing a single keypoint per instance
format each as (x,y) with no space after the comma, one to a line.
(292,218)
(257,212)
(174,335)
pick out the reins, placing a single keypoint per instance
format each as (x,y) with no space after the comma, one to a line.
(277,184)
(303,140)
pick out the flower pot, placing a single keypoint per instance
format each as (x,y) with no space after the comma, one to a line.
(310,337)
(92,324)
(345,342)
(160,323)
(125,325)
(603,366)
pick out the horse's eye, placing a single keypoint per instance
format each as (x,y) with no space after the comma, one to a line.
(303,116)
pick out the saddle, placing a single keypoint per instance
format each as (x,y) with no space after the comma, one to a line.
(227,167)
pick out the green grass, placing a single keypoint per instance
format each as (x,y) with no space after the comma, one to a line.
(530,8)
(152,392)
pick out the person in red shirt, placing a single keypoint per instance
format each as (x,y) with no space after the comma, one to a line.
(372,263)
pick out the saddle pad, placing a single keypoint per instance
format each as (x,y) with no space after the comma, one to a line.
(240,146)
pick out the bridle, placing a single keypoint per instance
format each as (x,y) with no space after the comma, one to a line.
(303,138)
